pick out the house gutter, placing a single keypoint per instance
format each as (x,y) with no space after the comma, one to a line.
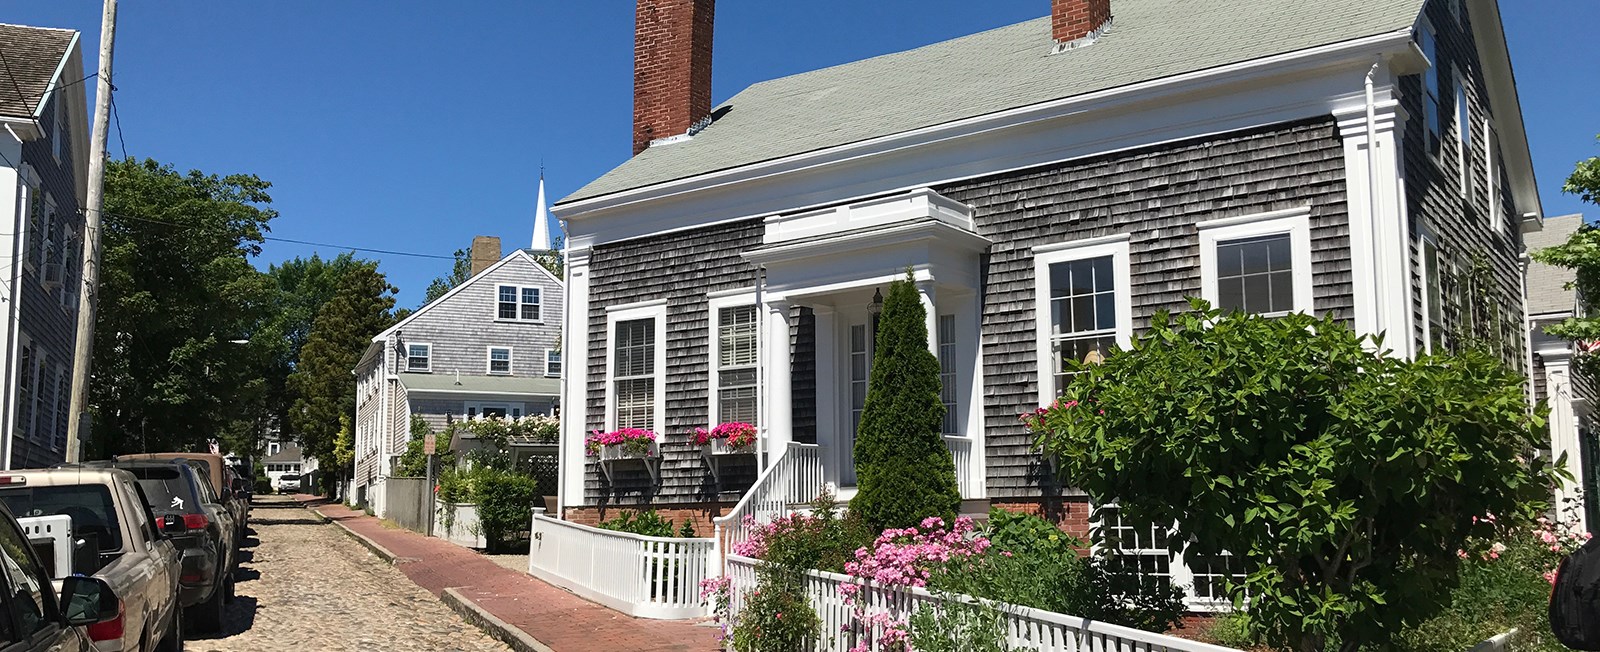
(1372,196)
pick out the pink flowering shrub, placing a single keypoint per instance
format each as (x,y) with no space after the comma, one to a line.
(737,435)
(635,441)
(907,557)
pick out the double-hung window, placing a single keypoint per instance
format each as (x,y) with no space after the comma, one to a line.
(26,389)
(1463,135)
(500,360)
(552,363)
(635,365)
(419,357)
(1428,41)
(947,373)
(516,303)
(1491,154)
(1436,336)
(737,329)
(1142,548)
(1258,264)
(1082,306)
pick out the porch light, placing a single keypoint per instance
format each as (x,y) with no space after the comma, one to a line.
(876,307)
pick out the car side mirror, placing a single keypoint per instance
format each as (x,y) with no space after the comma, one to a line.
(172,524)
(88,600)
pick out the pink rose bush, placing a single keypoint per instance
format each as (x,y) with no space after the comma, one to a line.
(907,556)
(636,441)
(736,435)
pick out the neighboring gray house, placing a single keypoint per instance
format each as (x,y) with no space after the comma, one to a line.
(1052,184)
(491,346)
(1555,377)
(43,185)
(283,457)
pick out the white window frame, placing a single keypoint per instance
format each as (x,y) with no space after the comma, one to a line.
(1496,192)
(58,436)
(1426,241)
(559,363)
(470,409)
(1463,135)
(1296,222)
(949,378)
(511,360)
(1431,93)
(521,289)
(1179,573)
(1044,256)
(714,306)
(656,310)
(429,368)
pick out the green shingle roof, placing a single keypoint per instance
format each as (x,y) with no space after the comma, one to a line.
(993,71)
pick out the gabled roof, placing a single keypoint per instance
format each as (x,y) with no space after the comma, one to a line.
(994,71)
(290,452)
(1548,293)
(33,56)
(520,254)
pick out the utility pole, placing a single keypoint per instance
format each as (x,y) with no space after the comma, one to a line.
(83,350)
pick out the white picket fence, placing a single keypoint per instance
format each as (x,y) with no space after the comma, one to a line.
(645,577)
(796,476)
(1026,628)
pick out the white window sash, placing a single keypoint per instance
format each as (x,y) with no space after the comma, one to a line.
(1463,135)
(1046,255)
(558,363)
(714,306)
(427,357)
(518,302)
(1295,222)
(510,359)
(653,310)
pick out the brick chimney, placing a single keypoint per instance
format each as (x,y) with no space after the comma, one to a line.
(671,68)
(1072,20)
(485,252)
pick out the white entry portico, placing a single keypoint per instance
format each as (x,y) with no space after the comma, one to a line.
(835,263)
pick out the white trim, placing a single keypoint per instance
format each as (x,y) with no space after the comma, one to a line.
(1295,222)
(407,366)
(1122,285)
(714,345)
(1494,59)
(1079,244)
(657,312)
(476,278)
(635,306)
(521,289)
(562,362)
(1491,177)
(511,359)
(478,407)
(1425,241)
(481,392)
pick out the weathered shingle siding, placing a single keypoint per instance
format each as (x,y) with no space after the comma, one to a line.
(679,268)
(48,318)
(369,399)
(464,326)
(1436,204)
(1156,195)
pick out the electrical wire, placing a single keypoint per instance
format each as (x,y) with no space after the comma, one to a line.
(123,142)
(21,96)
(389,252)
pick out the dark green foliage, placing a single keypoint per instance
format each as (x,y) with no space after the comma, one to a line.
(505,506)
(262,484)
(777,617)
(903,469)
(1344,480)
(687,531)
(647,523)
(414,462)
(460,271)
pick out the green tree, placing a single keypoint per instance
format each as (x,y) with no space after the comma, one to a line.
(1344,479)
(321,383)
(1581,254)
(177,291)
(903,469)
(460,271)
(553,259)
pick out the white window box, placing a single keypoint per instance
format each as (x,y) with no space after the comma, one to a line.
(611,455)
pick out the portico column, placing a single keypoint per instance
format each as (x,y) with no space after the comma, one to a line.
(1379,236)
(779,412)
(925,292)
(1564,426)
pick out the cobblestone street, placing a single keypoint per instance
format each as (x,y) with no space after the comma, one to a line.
(304,585)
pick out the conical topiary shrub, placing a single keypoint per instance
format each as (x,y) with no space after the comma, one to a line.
(903,470)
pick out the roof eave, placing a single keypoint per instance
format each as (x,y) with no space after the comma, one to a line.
(1489,32)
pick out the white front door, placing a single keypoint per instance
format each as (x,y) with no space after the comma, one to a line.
(859,337)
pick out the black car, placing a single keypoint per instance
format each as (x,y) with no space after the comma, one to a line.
(179,490)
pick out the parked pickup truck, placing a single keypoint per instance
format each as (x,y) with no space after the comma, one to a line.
(115,538)
(38,622)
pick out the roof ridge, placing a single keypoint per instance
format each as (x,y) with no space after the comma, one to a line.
(52,29)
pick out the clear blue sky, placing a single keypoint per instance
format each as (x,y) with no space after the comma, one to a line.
(413,126)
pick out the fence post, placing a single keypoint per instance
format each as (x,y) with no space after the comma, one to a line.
(534,536)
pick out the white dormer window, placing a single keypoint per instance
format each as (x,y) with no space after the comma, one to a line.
(500,360)
(518,303)
(552,363)
(419,357)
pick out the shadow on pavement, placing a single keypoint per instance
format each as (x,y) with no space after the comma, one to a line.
(239,618)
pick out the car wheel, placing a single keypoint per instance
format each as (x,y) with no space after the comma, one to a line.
(173,641)
(207,616)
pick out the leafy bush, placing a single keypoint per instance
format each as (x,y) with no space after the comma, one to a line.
(777,616)
(505,505)
(821,540)
(647,523)
(1342,478)
(904,471)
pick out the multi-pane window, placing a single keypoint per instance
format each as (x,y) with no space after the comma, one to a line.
(45,418)
(419,357)
(1083,312)
(1429,42)
(737,357)
(25,389)
(1497,209)
(1136,547)
(552,363)
(499,359)
(518,303)
(63,408)
(1256,275)
(1210,574)
(36,218)
(1434,295)
(947,372)
(47,252)
(1464,137)
(633,373)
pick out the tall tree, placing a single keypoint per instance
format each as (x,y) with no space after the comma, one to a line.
(177,292)
(552,259)
(904,471)
(321,382)
(460,271)
(1581,254)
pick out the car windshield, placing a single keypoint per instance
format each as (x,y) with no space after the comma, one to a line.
(167,488)
(89,505)
(291,477)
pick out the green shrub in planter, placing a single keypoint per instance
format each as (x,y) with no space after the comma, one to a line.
(505,505)
(646,523)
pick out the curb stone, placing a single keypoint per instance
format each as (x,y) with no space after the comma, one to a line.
(491,624)
(376,548)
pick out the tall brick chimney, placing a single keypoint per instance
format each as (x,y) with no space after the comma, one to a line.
(671,68)
(1072,20)
(485,252)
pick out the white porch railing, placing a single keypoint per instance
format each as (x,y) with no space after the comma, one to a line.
(645,577)
(795,476)
(1026,628)
(961,450)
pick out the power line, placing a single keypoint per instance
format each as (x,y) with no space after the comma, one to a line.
(21,97)
(123,142)
(48,91)
(389,252)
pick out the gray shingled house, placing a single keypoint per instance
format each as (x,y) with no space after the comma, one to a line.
(489,347)
(1051,184)
(1555,378)
(44,158)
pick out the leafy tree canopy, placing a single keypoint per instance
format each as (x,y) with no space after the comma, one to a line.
(1581,254)
(321,384)
(1344,479)
(460,271)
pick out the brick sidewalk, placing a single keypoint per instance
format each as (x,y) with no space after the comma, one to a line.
(558,619)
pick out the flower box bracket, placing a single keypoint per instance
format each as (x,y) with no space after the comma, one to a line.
(716,450)
(610,456)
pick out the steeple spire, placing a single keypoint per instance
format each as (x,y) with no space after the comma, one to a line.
(541,219)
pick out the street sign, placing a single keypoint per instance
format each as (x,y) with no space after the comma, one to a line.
(430,444)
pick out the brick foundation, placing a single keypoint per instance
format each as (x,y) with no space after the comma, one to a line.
(700,514)
(1071,514)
